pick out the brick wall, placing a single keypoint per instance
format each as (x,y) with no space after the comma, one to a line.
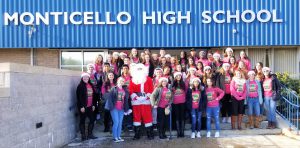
(42,57)
(21,56)
(47,58)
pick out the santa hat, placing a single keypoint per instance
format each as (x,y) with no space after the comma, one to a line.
(167,56)
(116,54)
(266,69)
(158,69)
(195,79)
(206,68)
(85,74)
(251,73)
(192,68)
(123,54)
(216,55)
(88,65)
(177,74)
(202,51)
(225,65)
(228,49)
(163,79)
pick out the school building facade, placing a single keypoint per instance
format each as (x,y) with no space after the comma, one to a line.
(68,35)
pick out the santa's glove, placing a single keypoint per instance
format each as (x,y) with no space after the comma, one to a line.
(129,112)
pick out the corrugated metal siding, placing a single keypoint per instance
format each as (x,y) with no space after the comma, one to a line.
(287,62)
(136,34)
(257,55)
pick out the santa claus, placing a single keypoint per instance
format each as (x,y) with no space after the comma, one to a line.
(140,89)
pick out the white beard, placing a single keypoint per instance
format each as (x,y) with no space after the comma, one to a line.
(139,77)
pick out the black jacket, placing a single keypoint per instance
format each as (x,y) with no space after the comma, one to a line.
(81,93)
(202,103)
(113,96)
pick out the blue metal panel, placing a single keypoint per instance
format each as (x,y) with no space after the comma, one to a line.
(135,34)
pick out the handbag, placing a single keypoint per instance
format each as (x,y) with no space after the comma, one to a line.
(276,95)
(167,110)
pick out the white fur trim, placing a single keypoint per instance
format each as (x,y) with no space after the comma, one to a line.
(85,74)
(229,49)
(226,64)
(144,102)
(88,65)
(195,79)
(216,55)
(251,72)
(133,95)
(177,73)
(207,67)
(162,79)
(266,69)
(148,124)
(148,95)
(167,56)
(137,123)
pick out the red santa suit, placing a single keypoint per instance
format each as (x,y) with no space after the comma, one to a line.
(140,100)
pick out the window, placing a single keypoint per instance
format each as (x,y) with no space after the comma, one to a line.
(77,60)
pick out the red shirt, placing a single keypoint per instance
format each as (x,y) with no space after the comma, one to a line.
(120,99)
(89,95)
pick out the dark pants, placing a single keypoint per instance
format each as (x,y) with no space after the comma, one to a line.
(162,120)
(237,107)
(179,110)
(127,121)
(226,105)
(107,119)
(88,113)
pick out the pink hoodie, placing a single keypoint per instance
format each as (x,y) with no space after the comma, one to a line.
(238,88)
(214,95)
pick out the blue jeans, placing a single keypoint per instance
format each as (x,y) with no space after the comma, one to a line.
(196,117)
(117,117)
(253,106)
(270,107)
(213,112)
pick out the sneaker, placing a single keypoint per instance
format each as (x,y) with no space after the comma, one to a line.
(217,134)
(116,140)
(208,135)
(228,119)
(223,119)
(198,135)
(120,139)
(193,135)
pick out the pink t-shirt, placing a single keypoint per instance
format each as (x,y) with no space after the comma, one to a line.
(89,95)
(93,79)
(179,96)
(195,99)
(267,84)
(205,62)
(214,95)
(238,89)
(253,89)
(163,102)
(103,90)
(227,83)
(199,73)
(127,79)
(120,99)
(135,60)
(226,59)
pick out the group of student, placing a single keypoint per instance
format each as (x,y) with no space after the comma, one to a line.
(201,85)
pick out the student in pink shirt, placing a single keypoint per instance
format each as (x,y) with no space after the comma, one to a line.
(245,59)
(200,69)
(162,98)
(203,59)
(134,56)
(86,104)
(196,104)
(158,73)
(213,95)
(178,90)
(118,106)
(254,99)
(223,79)
(238,92)
(271,87)
(227,55)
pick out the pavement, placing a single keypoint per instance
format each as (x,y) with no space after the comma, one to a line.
(244,141)
(245,138)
